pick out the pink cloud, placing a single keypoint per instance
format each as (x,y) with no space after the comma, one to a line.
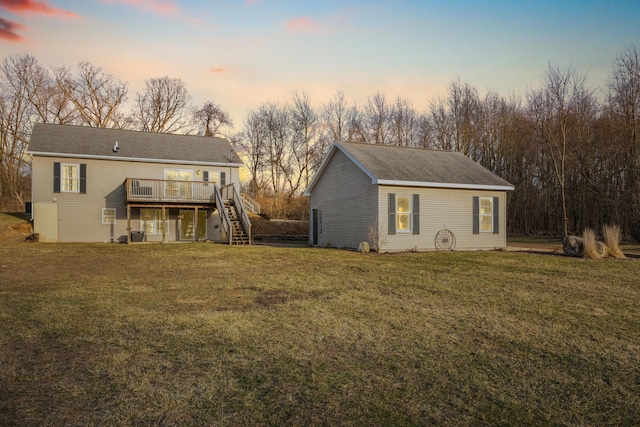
(304,24)
(163,7)
(219,69)
(8,30)
(31,6)
(160,7)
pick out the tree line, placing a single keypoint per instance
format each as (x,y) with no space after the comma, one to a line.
(571,150)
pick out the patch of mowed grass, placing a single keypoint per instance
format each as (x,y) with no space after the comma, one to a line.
(216,335)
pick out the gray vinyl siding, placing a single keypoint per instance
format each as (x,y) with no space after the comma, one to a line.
(347,204)
(439,209)
(80,215)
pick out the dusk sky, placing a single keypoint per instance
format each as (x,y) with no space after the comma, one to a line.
(242,53)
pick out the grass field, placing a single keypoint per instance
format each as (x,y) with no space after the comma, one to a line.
(204,334)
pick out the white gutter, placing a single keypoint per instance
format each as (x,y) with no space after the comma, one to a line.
(443,185)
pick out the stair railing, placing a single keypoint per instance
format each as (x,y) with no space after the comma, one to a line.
(222,212)
(250,203)
(231,193)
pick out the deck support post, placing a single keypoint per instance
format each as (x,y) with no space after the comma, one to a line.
(195,224)
(128,224)
(164,224)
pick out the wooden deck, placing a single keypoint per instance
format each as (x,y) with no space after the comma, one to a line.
(169,192)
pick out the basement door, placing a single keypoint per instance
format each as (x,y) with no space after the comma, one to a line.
(187,224)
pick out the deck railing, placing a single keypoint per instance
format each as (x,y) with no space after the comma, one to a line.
(224,218)
(169,191)
(251,204)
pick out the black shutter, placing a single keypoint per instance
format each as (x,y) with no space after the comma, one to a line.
(223,178)
(56,177)
(83,178)
(496,216)
(416,214)
(392,214)
(476,215)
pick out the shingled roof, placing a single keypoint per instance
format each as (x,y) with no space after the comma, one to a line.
(98,143)
(416,167)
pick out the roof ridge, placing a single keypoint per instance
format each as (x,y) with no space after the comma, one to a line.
(404,147)
(101,129)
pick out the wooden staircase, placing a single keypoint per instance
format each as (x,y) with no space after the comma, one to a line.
(239,235)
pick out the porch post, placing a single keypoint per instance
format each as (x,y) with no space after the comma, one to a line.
(195,225)
(164,223)
(128,224)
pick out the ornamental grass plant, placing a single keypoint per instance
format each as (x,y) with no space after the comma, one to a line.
(590,242)
(612,238)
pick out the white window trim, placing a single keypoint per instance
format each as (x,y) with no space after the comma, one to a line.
(64,180)
(409,214)
(156,222)
(191,171)
(481,215)
(105,217)
(214,177)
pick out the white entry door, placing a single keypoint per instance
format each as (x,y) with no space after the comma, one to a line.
(182,188)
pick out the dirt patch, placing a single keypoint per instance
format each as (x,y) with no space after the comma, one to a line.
(261,227)
(13,228)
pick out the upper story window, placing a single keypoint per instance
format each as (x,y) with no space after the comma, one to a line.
(69,178)
(70,182)
(217,178)
(178,185)
(178,174)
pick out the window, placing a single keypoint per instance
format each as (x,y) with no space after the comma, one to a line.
(485,215)
(108,215)
(151,221)
(217,178)
(69,178)
(404,213)
(182,188)
(209,176)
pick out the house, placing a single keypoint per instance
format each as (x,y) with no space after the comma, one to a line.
(105,185)
(398,199)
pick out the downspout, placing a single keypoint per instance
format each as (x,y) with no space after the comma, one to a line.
(32,191)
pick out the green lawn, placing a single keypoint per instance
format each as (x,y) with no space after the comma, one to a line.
(204,334)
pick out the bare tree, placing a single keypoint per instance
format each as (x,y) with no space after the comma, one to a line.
(443,129)
(15,127)
(463,104)
(553,106)
(253,142)
(377,119)
(305,142)
(162,107)
(96,95)
(210,119)
(404,124)
(425,132)
(335,115)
